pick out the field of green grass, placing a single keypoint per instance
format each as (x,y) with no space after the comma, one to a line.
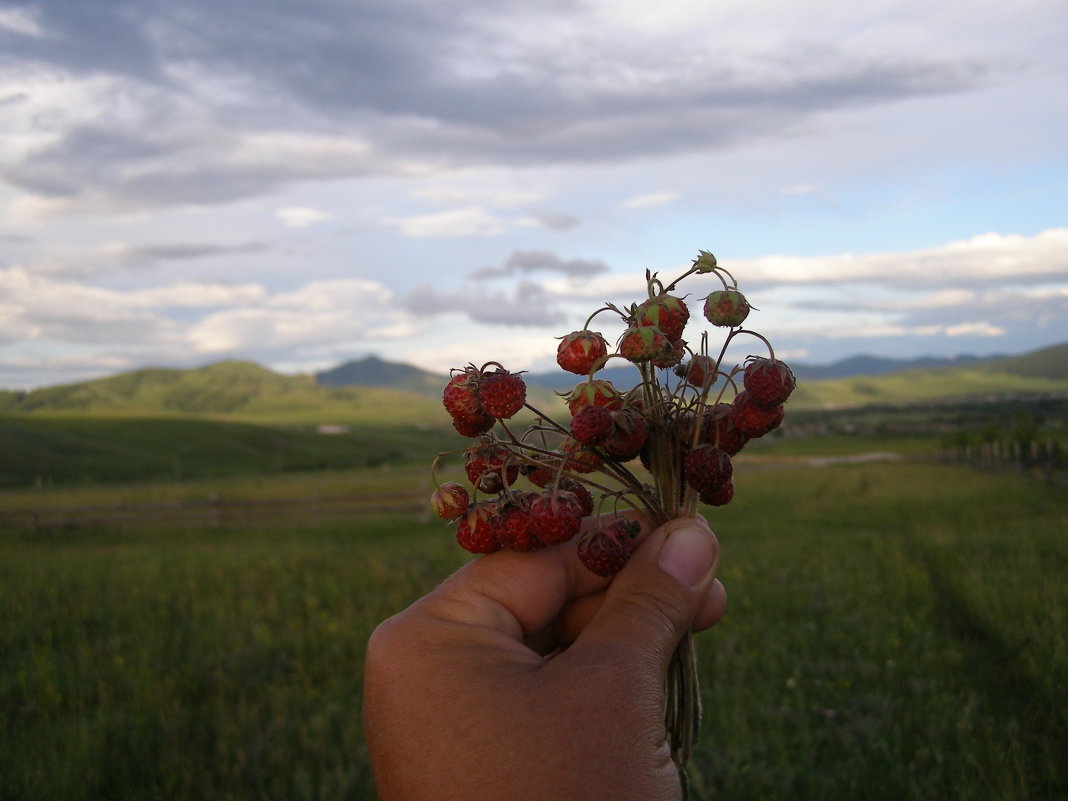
(896,631)
(92,449)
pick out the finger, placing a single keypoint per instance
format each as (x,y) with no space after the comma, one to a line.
(658,596)
(516,594)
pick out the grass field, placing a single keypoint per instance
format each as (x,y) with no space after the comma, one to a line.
(897,631)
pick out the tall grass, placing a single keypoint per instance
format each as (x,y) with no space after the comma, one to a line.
(896,631)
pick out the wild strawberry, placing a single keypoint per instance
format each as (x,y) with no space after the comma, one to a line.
(699,372)
(460,396)
(502,394)
(544,474)
(514,529)
(666,312)
(578,489)
(726,307)
(721,430)
(596,392)
(477,530)
(591,425)
(707,468)
(490,466)
(629,430)
(580,458)
(643,344)
(450,500)
(752,419)
(581,352)
(606,550)
(555,516)
(670,357)
(473,427)
(719,497)
(768,382)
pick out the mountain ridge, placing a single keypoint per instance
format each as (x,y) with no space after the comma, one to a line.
(243,388)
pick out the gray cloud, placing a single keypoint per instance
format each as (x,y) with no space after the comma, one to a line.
(429,82)
(529,305)
(555,221)
(529,261)
(96,261)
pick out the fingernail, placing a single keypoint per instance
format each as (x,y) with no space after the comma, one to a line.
(688,554)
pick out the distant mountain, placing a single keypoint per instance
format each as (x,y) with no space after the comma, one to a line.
(374,372)
(1051,362)
(228,388)
(624,377)
(373,389)
(864,365)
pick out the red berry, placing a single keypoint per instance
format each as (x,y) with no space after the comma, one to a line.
(629,431)
(543,475)
(477,530)
(643,344)
(699,372)
(605,551)
(719,497)
(581,352)
(721,430)
(514,530)
(768,382)
(666,312)
(450,500)
(555,516)
(726,307)
(502,394)
(596,392)
(490,466)
(460,396)
(752,419)
(707,468)
(591,425)
(473,427)
(670,357)
(578,489)
(580,458)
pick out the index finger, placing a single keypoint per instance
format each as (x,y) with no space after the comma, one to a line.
(516,594)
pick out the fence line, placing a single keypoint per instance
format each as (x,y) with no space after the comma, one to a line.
(1037,458)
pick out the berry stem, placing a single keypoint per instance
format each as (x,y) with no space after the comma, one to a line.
(761,337)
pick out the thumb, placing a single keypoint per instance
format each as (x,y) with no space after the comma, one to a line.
(655,599)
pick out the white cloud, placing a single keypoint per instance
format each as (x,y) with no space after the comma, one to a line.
(470,221)
(651,199)
(20,20)
(301,216)
(982,258)
(983,329)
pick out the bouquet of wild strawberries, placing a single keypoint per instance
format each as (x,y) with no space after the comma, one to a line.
(685,419)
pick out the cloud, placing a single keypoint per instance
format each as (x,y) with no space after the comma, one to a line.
(177,112)
(554,221)
(91,261)
(987,257)
(530,261)
(453,223)
(529,304)
(651,199)
(301,216)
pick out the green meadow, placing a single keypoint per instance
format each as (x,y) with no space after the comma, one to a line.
(896,631)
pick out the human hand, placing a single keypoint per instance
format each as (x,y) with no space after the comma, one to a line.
(525,676)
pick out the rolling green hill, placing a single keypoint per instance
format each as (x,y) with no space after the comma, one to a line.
(1041,372)
(232,389)
(1051,362)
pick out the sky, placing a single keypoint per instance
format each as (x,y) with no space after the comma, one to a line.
(304,182)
